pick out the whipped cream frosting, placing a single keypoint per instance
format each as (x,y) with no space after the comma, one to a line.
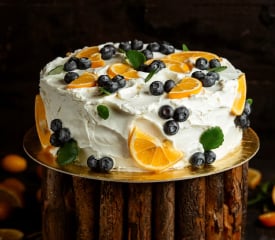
(132,106)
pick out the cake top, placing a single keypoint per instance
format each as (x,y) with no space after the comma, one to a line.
(171,89)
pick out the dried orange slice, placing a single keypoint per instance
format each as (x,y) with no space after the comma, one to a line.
(42,129)
(187,55)
(93,54)
(239,102)
(10,196)
(185,88)
(267,219)
(254,178)
(11,234)
(14,184)
(150,152)
(122,69)
(86,80)
(14,163)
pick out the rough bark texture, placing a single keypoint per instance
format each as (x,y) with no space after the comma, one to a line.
(139,211)
(244,197)
(164,211)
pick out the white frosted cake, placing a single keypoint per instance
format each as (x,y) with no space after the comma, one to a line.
(133,106)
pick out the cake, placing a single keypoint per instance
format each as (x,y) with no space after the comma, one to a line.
(138,107)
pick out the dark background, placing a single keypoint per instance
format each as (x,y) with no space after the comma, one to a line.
(34,32)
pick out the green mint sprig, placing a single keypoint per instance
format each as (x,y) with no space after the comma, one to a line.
(217,69)
(56,70)
(136,58)
(67,153)
(212,138)
(184,47)
(150,75)
(103,111)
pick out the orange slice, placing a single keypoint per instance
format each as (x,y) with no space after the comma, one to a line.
(14,184)
(267,219)
(185,88)
(122,69)
(177,66)
(97,61)
(86,80)
(11,234)
(239,102)
(254,178)
(14,163)
(42,129)
(10,196)
(150,152)
(187,55)
(93,54)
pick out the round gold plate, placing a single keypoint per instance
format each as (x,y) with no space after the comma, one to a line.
(248,148)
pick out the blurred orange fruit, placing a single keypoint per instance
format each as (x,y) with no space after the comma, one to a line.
(239,102)
(41,124)
(122,69)
(254,178)
(267,219)
(14,184)
(86,80)
(273,194)
(5,210)
(150,152)
(10,196)
(185,88)
(11,234)
(193,55)
(14,163)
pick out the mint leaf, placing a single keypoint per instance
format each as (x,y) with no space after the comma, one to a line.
(212,138)
(104,91)
(67,153)
(103,111)
(56,70)
(249,101)
(184,47)
(136,58)
(217,69)
(150,75)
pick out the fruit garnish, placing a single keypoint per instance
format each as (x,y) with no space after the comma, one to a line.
(186,55)
(186,87)
(239,102)
(103,111)
(14,163)
(67,153)
(56,70)
(254,178)
(136,58)
(14,184)
(184,47)
(85,80)
(42,129)
(87,52)
(11,234)
(267,219)
(212,138)
(10,196)
(150,152)
(176,66)
(122,69)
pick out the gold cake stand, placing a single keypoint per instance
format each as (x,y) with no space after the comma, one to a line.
(248,148)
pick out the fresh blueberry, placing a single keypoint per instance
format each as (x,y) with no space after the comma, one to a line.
(70,76)
(213,63)
(202,63)
(171,127)
(166,48)
(71,64)
(136,44)
(93,163)
(84,63)
(156,88)
(125,46)
(181,114)
(64,135)
(111,86)
(214,75)
(166,112)
(107,51)
(242,121)
(147,53)
(54,140)
(197,159)
(209,79)
(143,68)
(156,65)
(198,75)
(247,108)
(56,125)
(120,80)
(210,157)
(168,85)
(153,46)
(106,164)
(102,80)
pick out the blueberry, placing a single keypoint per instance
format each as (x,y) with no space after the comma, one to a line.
(70,76)
(202,63)
(125,46)
(153,46)
(197,159)
(56,125)
(156,65)
(213,63)
(166,48)
(168,85)
(214,75)
(171,127)
(242,121)
(84,63)
(166,112)
(64,135)
(102,80)
(247,108)
(111,86)
(106,164)
(209,79)
(71,64)
(210,156)
(120,80)
(143,68)
(93,163)
(136,44)
(147,53)
(107,51)
(156,88)
(181,114)
(198,75)
(54,140)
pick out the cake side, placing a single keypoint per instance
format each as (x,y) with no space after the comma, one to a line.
(145,109)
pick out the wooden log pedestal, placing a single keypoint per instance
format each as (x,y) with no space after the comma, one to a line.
(209,207)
